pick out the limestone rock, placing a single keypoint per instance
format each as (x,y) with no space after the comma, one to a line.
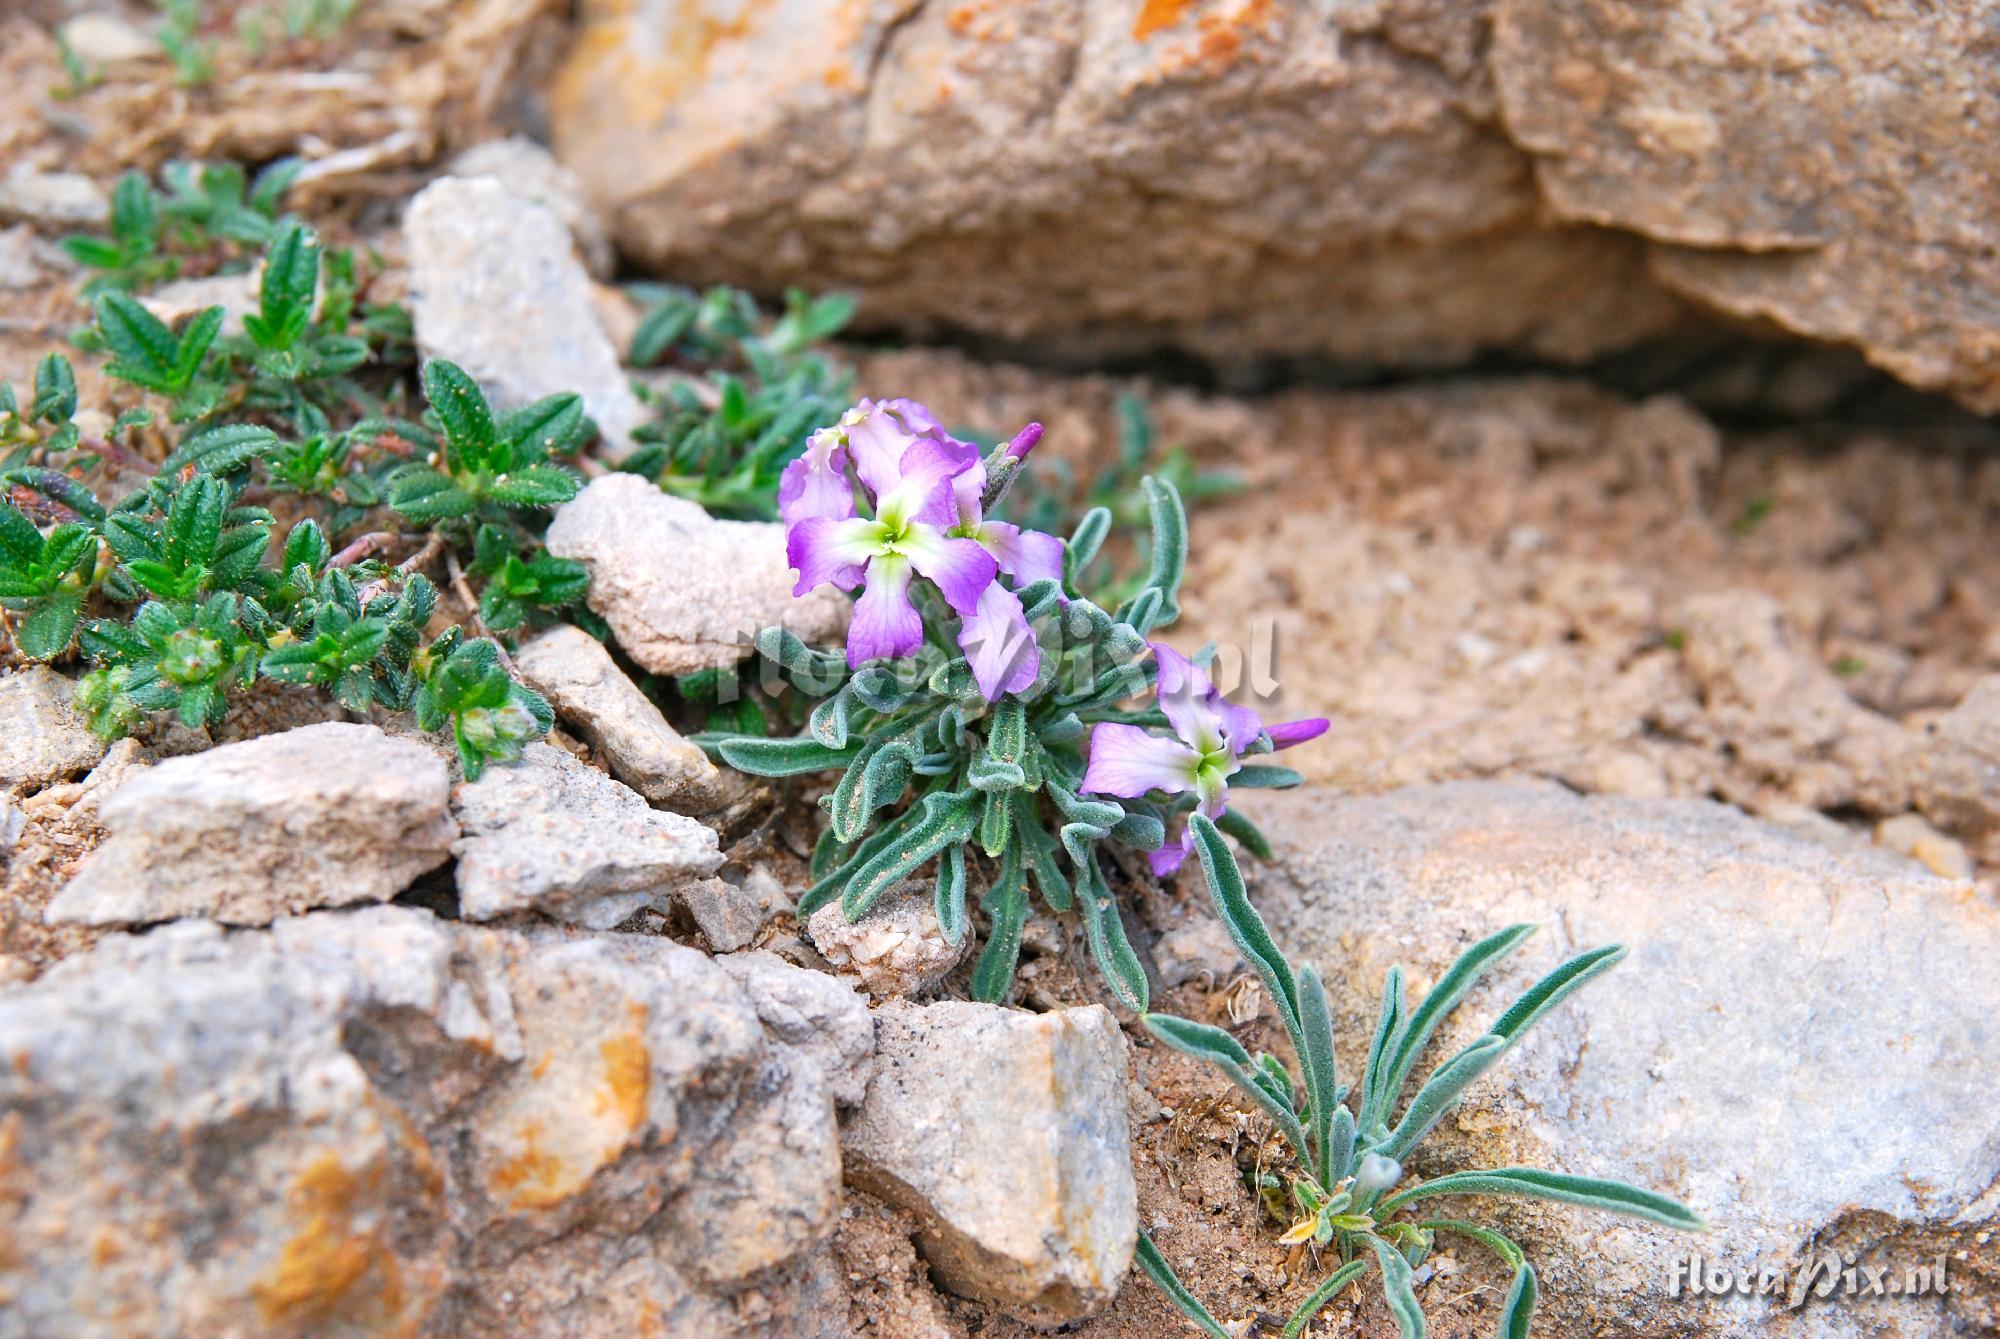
(495,288)
(102,41)
(814,1013)
(552,835)
(386,1123)
(530,172)
(55,199)
(324,815)
(1101,177)
(576,674)
(1005,1134)
(727,913)
(681,590)
(898,948)
(1796,1047)
(1786,155)
(46,740)
(1958,772)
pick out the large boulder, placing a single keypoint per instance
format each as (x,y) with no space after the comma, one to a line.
(369,1123)
(1799,1046)
(1403,182)
(1235,177)
(1827,167)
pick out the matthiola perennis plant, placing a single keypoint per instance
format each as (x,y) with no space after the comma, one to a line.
(1342,1195)
(984,714)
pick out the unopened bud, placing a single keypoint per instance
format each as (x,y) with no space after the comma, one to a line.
(1377,1172)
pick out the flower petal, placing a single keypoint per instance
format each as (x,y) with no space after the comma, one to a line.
(1287,733)
(830,553)
(958,567)
(924,485)
(1025,555)
(1171,855)
(999,645)
(878,433)
(968,487)
(1127,762)
(1203,717)
(816,483)
(885,623)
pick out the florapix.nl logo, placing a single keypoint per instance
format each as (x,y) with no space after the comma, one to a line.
(1823,1276)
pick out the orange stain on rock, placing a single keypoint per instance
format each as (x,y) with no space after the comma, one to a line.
(318,1268)
(1159,15)
(628,1076)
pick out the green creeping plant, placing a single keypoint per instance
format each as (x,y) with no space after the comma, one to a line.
(1350,1141)
(722,441)
(206,205)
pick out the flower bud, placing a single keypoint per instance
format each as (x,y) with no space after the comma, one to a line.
(1377,1172)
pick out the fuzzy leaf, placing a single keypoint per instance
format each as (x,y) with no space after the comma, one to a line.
(1399,1288)
(1105,930)
(1006,905)
(946,819)
(783,757)
(1443,997)
(45,633)
(1556,987)
(1321,1075)
(949,902)
(1533,1183)
(1265,778)
(460,406)
(221,448)
(1156,1268)
(1320,1296)
(533,486)
(1246,928)
(1439,1094)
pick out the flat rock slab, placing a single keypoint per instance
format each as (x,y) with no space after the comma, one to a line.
(496,288)
(46,740)
(376,1122)
(1005,1134)
(1801,1046)
(550,834)
(321,816)
(681,590)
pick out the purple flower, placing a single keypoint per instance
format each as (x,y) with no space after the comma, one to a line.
(927,489)
(910,477)
(1213,734)
(999,645)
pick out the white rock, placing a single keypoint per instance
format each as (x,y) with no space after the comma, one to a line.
(1005,1134)
(53,198)
(898,948)
(101,41)
(681,590)
(531,172)
(324,815)
(236,294)
(549,834)
(576,674)
(42,739)
(495,288)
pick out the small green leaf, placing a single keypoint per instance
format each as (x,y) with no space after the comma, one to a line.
(949,902)
(1443,997)
(1439,1094)
(1245,926)
(461,407)
(55,390)
(1556,987)
(1265,778)
(1105,930)
(45,633)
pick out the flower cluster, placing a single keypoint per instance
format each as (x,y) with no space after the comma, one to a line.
(985,707)
(928,492)
(1213,736)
